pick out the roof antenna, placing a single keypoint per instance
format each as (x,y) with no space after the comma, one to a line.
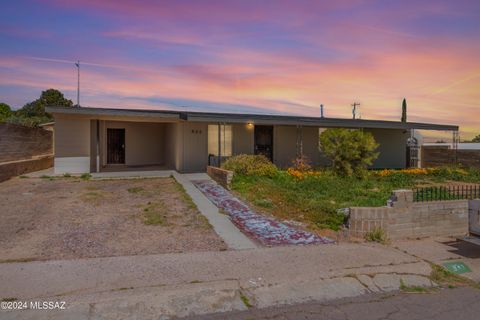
(77,64)
(321,111)
(355,109)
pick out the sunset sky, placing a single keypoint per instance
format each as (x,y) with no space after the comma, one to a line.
(250,56)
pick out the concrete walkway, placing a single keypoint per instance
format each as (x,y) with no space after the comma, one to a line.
(205,282)
(220,222)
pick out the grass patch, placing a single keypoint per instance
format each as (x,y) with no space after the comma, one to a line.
(185,196)
(85,176)
(445,278)
(91,188)
(135,189)
(9,299)
(23,177)
(67,175)
(18,260)
(196,281)
(93,196)
(264,203)
(376,235)
(47,177)
(412,289)
(315,199)
(154,213)
(245,300)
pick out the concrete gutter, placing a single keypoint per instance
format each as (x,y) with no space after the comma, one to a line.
(205,282)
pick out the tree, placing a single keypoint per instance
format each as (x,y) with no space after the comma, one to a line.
(404,110)
(5,111)
(50,97)
(476,139)
(33,113)
(350,151)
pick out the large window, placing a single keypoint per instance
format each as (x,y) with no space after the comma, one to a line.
(222,140)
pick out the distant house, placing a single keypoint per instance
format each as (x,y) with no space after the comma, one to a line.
(98,139)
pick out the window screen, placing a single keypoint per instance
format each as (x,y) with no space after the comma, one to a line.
(225,139)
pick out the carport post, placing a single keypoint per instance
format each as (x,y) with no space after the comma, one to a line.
(219,145)
(98,146)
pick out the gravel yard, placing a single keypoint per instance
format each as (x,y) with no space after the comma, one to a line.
(68,218)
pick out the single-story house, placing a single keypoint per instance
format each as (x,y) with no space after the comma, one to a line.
(99,139)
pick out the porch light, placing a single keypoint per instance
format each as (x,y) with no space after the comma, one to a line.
(249,125)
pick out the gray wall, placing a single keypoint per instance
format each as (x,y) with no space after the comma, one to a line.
(393,148)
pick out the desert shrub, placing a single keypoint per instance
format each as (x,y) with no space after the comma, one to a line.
(301,168)
(85,176)
(376,235)
(351,151)
(301,163)
(251,165)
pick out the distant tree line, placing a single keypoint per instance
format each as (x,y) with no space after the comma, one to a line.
(475,140)
(33,113)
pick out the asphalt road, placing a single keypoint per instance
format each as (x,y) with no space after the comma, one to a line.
(458,303)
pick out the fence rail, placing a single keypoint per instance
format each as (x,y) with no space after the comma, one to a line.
(440,193)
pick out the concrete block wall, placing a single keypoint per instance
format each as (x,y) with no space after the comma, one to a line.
(19,167)
(405,219)
(20,142)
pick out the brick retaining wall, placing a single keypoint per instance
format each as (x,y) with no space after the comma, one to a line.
(408,219)
(19,167)
(221,176)
(20,142)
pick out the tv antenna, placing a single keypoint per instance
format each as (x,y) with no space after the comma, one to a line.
(355,106)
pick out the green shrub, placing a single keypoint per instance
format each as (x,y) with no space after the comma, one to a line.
(251,165)
(85,176)
(376,235)
(351,151)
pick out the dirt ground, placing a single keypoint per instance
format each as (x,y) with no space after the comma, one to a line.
(68,218)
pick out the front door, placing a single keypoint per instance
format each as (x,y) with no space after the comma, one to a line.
(264,141)
(115,146)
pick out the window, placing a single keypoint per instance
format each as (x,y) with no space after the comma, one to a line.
(225,139)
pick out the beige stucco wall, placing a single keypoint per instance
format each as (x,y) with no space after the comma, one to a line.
(392,149)
(144,142)
(195,147)
(242,139)
(284,145)
(183,145)
(72,137)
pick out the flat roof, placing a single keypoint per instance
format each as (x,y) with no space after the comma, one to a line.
(195,116)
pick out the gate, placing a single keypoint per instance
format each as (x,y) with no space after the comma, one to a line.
(474,217)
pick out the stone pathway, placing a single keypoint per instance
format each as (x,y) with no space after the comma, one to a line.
(265,230)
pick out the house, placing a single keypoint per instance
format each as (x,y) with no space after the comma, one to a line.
(98,139)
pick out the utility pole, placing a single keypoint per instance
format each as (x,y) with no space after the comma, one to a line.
(78,82)
(354,109)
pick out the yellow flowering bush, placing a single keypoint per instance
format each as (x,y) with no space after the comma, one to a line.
(302,174)
(423,171)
